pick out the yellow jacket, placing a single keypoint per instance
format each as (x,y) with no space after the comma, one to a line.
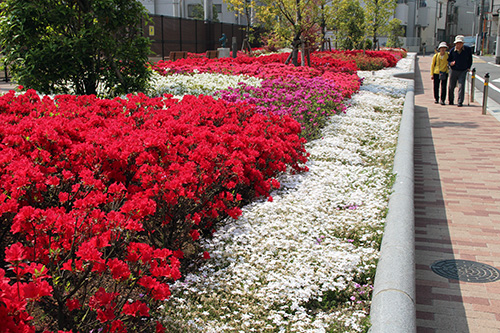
(439,64)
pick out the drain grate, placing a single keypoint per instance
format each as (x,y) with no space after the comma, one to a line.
(466,270)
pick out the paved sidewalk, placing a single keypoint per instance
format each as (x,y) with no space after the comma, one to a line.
(457,209)
(6,86)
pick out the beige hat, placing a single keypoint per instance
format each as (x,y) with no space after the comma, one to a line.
(442,44)
(459,39)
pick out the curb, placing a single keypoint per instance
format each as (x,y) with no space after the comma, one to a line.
(393,301)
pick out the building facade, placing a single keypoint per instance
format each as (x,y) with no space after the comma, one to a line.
(429,22)
(191,8)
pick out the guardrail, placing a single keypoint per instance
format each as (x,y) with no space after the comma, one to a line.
(393,307)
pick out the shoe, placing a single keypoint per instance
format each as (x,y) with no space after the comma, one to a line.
(460,105)
(436,101)
(451,103)
(443,103)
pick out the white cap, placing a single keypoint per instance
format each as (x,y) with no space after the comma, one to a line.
(442,44)
(459,39)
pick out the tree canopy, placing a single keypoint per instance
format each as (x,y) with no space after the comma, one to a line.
(294,21)
(350,24)
(378,13)
(79,46)
(395,31)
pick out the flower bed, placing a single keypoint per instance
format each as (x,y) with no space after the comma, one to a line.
(111,192)
(104,201)
(310,101)
(196,83)
(273,65)
(308,94)
(305,261)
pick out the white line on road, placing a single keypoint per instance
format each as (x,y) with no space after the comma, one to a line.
(493,64)
(490,85)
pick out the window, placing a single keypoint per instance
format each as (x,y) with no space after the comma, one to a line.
(196,11)
(191,9)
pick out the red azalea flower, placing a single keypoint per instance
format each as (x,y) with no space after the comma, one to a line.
(34,291)
(73,304)
(105,315)
(195,234)
(136,308)
(15,253)
(88,251)
(119,269)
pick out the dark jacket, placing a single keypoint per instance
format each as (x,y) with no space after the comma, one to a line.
(463,60)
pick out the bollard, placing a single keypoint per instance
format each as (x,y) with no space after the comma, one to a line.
(472,85)
(485,92)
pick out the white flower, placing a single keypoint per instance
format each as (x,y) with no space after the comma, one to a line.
(196,84)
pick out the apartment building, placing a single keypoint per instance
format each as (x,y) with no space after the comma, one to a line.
(191,9)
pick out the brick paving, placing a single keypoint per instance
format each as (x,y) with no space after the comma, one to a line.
(457,209)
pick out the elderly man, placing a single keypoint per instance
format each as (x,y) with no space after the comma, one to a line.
(460,60)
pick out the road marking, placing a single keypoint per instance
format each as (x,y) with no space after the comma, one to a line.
(490,85)
(493,64)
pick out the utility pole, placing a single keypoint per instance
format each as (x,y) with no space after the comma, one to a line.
(497,47)
(481,22)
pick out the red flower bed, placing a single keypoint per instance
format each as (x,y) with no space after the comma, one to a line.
(365,60)
(347,84)
(103,196)
(266,66)
(273,65)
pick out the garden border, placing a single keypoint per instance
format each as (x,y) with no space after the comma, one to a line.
(393,302)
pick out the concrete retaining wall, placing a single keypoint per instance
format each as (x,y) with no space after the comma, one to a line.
(393,301)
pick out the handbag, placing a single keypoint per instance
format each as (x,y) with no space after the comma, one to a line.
(442,75)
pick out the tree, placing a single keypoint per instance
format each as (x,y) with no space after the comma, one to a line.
(350,19)
(378,13)
(296,21)
(395,31)
(243,7)
(64,46)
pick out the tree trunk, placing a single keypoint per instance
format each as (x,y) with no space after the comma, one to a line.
(295,56)
(302,54)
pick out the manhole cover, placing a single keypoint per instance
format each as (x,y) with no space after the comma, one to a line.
(466,270)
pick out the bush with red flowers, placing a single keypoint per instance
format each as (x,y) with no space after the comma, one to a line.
(273,65)
(101,199)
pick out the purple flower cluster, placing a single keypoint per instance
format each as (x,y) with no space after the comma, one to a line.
(311,101)
(361,293)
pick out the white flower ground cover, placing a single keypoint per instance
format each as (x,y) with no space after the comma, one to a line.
(304,262)
(196,84)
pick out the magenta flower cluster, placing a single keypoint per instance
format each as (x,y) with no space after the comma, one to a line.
(311,101)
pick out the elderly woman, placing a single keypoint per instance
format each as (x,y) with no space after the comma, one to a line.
(439,72)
